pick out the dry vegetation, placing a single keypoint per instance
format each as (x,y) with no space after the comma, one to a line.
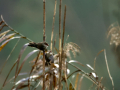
(49,69)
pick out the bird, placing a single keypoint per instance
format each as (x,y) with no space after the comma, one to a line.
(41,46)
(49,58)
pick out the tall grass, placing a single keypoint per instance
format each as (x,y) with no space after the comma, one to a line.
(49,70)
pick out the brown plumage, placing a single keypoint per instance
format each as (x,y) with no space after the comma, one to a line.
(49,58)
(41,46)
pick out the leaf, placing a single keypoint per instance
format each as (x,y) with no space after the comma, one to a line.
(25,73)
(41,71)
(21,86)
(36,61)
(1,22)
(76,81)
(5,43)
(26,59)
(9,56)
(71,87)
(11,38)
(54,81)
(31,78)
(3,36)
(71,61)
(80,82)
(37,83)
(108,69)
(4,32)
(2,26)
(19,57)
(97,56)
(6,37)
(8,75)
(90,67)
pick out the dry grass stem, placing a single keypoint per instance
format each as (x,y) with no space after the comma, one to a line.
(15,30)
(8,75)
(97,56)
(52,34)
(44,19)
(80,82)
(76,80)
(9,56)
(108,69)
(87,75)
(60,62)
(51,46)
(63,58)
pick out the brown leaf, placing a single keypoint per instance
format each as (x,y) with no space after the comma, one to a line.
(2,26)
(8,74)
(19,57)
(9,56)
(71,87)
(1,22)
(5,32)
(97,56)
(26,59)
(24,73)
(21,86)
(7,36)
(76,81)
(80,82)
(54,81)
(3,45)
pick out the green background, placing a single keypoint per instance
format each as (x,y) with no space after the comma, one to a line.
(87,25)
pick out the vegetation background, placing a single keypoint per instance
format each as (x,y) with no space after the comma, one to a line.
(87,25)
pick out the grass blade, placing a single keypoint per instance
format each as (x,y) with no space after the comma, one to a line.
(2,27)
(15,30)
(86,74)
(96,57)
(80,82)
(8,75)
(108,69)
(19,57)
(5,43)
(71,86)
(7,36)
(9,56)
(5,32)
(34,51)
(76,81)
(71,61)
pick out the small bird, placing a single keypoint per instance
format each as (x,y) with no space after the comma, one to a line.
(41,46)
(49,58)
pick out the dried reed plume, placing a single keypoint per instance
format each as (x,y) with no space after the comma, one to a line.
(114,34)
